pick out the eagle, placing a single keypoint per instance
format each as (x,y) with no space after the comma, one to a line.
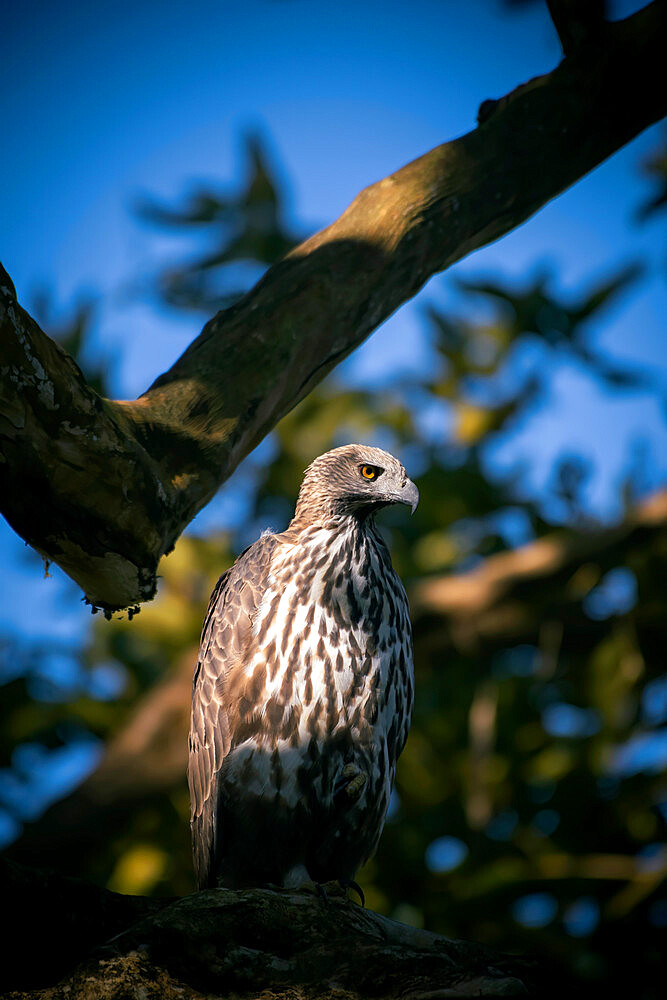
(303,691)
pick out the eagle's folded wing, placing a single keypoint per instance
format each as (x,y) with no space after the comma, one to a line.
(225,638)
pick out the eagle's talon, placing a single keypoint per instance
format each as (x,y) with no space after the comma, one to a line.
(349,883)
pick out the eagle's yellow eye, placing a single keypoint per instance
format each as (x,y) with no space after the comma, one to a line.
(369,471)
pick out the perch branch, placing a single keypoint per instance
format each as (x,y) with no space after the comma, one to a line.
(251,943)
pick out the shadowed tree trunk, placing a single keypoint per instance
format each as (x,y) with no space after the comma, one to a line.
(104,488)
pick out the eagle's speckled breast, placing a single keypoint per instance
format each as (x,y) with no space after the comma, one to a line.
(332,684)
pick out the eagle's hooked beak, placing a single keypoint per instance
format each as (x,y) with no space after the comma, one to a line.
(409,495)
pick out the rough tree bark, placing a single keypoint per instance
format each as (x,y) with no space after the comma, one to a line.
(259,943)
(104,488)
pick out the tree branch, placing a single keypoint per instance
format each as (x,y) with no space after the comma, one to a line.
(105,488)
(578,22)
(251,943)
(56,921)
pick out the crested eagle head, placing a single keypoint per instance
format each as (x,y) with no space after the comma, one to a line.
(355,480)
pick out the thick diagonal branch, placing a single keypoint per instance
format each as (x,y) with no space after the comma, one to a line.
(578,22)
(105,488)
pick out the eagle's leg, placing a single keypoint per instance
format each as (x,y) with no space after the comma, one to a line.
(351,783)
(297,877)
(343,883)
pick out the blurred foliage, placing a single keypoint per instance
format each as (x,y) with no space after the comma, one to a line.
(530,801)
(242,233)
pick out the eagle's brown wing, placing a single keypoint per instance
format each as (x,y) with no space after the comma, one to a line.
(226,634)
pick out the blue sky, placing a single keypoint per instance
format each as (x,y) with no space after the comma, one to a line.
(103,101)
